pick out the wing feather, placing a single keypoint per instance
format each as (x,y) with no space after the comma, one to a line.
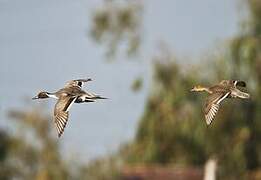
(212,106)
(61,113)
(76,83)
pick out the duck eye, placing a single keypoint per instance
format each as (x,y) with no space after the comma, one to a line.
(79,83)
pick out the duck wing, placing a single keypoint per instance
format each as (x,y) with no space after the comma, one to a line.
(76,83)
(233,83)
(212,105)
(226,82)
(61,112)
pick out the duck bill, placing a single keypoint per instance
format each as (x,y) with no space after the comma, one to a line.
(36,97)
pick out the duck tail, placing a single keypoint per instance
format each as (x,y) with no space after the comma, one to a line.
(100,97)
(240,94)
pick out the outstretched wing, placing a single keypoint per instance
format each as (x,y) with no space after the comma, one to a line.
(212,106)
(61,112)
(76,83)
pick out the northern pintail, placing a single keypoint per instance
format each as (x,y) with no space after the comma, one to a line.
(218,92)
(71,93)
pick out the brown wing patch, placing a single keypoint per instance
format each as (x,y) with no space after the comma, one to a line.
(76,83)
(60,121)
(210,115)
(212,106)
(72,83)
(61,113)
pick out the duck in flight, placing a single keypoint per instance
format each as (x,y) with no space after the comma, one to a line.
(218,92)
(71,93)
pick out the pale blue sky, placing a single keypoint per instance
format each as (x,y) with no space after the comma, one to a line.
(44,43)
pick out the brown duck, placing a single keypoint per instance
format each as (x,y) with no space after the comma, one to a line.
(71,93)
(218,92)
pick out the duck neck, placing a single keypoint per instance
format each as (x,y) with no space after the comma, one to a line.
(202,88)
(52,95)
(207,90)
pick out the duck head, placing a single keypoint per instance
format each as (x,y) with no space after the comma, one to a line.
(198,88)
(41,95)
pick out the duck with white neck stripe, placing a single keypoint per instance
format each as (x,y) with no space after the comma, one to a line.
(71,93)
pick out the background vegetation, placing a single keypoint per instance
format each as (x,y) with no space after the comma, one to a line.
(172,130)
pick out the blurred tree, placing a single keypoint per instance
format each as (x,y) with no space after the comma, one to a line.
(107,168)
(117,22)
(5,171)
(173,131)
(33,152)
(137,84)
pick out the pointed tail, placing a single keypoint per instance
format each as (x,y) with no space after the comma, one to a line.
(240,94)
(100,97)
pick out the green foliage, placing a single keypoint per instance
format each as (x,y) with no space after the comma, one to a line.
(255,11)
(104,168)
(3,145)
(115,23)
(172,129)
(137,84)
(33,152)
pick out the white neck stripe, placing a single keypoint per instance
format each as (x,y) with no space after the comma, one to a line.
(52,96)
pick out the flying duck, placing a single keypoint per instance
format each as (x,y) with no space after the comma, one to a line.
(218,92)
(71,93)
